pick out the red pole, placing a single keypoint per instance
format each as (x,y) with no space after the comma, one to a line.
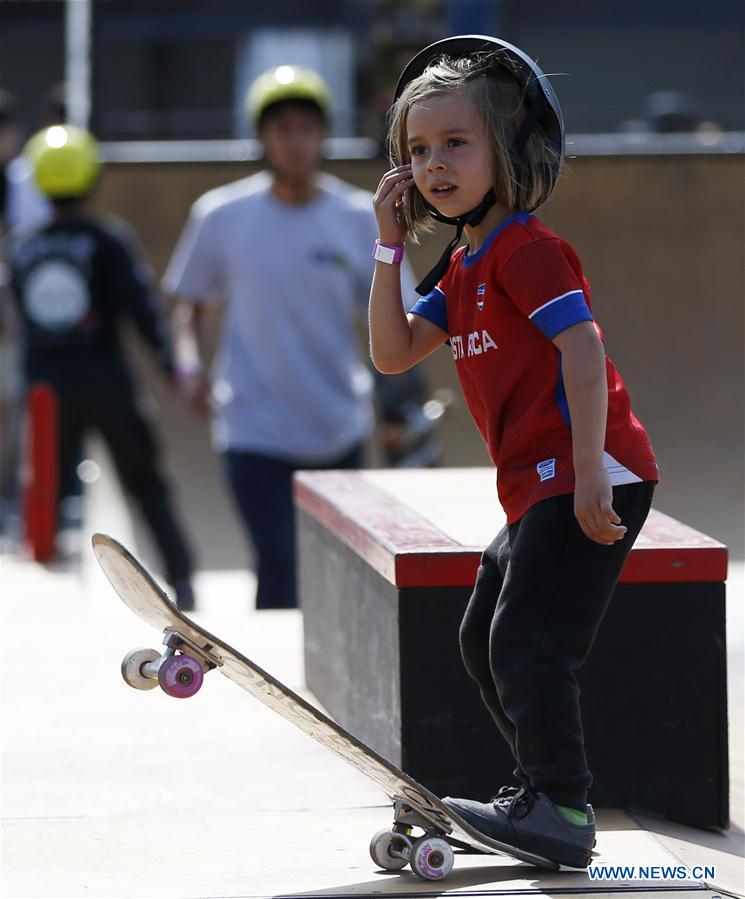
(41,475)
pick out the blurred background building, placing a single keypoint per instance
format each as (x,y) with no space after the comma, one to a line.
(178,69)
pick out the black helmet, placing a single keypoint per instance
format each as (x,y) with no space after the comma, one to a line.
(542,108)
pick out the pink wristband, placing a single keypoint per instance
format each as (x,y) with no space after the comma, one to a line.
(384,252)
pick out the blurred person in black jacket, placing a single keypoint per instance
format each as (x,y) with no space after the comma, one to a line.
(75,280)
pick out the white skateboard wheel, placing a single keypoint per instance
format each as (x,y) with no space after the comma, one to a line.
(431,858)
(387,850)
(132,668)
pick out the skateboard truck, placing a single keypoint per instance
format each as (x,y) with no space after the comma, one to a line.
(177,673)
(430,856)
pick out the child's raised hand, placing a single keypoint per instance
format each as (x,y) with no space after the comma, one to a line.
(593,507)
(387,204)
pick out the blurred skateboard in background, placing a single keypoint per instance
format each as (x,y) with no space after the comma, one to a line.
(40,477)
(409,419)
(191,652)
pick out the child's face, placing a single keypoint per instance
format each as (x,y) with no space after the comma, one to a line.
(449,153)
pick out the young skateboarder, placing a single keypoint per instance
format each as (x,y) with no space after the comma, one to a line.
(477,141)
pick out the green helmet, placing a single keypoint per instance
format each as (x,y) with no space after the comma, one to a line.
(286,83)
(65,161)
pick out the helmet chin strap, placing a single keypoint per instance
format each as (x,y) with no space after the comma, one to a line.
(472,219)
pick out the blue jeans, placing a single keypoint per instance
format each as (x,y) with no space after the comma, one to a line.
(262,490)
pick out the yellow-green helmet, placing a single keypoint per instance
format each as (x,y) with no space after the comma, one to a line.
(65,161)
(287,83)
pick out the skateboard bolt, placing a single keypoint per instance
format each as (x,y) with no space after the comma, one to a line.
(436,859)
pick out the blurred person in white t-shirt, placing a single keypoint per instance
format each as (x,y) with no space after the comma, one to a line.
(277,267)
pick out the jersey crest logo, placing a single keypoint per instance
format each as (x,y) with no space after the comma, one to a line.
(480,293)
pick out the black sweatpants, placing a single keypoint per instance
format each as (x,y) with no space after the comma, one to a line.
(113,411)
(541,592)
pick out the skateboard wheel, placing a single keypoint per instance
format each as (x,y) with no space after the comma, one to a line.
(389,851)
(431,858)
(132,668)
(180,676)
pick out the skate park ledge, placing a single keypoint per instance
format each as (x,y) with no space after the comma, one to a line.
(387,562)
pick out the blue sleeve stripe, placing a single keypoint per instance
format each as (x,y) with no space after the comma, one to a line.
(432,307)
(561,313)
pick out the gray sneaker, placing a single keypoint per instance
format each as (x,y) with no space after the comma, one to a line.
(509,792)
(529,820)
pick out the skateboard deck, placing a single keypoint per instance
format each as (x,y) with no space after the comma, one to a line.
(191,651)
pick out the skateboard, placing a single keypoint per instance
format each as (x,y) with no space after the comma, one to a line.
(40,475)
(191,652)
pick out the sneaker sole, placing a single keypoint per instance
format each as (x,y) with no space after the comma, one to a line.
(567,854)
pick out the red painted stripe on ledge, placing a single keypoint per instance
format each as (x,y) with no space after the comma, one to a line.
(409,551)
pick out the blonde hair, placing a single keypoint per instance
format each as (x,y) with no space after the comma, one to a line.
(488,82)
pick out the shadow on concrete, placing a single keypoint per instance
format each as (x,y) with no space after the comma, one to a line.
(405,883)
(494,880)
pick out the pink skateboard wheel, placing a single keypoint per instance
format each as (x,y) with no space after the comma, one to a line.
(180,676)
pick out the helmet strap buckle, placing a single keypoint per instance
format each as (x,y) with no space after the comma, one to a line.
(472,219)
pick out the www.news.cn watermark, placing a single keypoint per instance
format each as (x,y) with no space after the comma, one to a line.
(652,872)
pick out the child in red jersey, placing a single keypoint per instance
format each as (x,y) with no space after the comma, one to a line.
(477,141)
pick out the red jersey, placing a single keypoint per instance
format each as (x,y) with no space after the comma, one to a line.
(502,307)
